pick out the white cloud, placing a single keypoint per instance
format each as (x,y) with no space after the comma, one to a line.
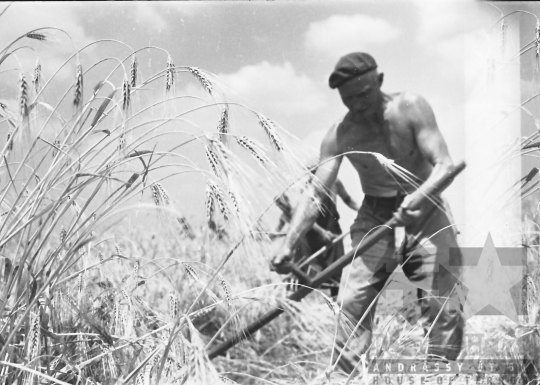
(443,19)
(438,19)
(456,32)
(24,17)
(340,34)
(277,88)
(148,14)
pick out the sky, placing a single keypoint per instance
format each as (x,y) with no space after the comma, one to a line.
(275,57)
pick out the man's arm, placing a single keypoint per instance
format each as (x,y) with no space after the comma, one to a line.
(345,197)
(307,211)
(432,146)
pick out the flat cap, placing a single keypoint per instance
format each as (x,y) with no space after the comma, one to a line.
(351,66)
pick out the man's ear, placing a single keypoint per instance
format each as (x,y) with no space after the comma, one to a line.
(380,78)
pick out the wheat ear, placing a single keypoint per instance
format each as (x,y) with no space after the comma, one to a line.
(209,203)
(246,143)
(220,198)
(213,160)
(202,78)
(223,125)
(173,305)
(77,99)
(23,96)
(126,93)
(270,129)
(227,290)
(9,141)
(133,72)
(36,36)
(169,74)
(37,76)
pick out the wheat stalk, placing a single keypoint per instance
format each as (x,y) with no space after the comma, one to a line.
(218,194)
(209,203)
(227,290)
(116,320)
(204,311)
(334,308)
(110,362)
(80,285)
(133,72)
(101,258)
(226,380)
(503,31)
(140,378)
(36,36)
(531,299)
(183,351)
(56,144)
(63,236)
(56,298)
(77,99)
(213,160)
(122,139)
(169,74)
(205,82)
(156,359)
(270,129)
(169,365)
(234,201)
(54,363)
(155,194)
(222,156)
(189,270)
(126,296)
(147,373)
(246,143)
(537,40)
(9,141)
(223,124)
(163,194)
(33,344)
(37,76)
(126,93)
(160,196)
(184,226)
(173,305)
(136,266)
(23,96)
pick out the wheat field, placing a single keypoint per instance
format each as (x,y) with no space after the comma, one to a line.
(105,279)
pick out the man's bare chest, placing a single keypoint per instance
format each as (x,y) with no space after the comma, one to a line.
(393,139)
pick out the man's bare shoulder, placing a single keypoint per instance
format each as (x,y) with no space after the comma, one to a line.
(330,140)
(409,103)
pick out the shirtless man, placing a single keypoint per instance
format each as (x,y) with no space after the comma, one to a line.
(402,127)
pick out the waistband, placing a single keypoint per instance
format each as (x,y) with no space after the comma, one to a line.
(384,202)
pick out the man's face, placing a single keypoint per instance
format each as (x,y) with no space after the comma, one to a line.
(361,95)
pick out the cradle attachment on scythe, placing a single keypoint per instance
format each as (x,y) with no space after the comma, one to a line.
(309,284)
